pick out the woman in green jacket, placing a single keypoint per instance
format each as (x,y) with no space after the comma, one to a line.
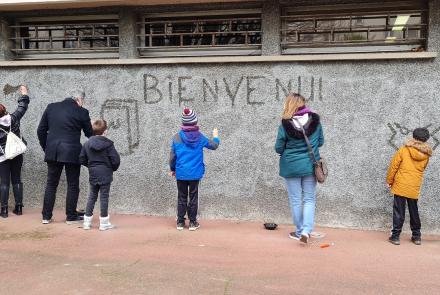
(295,163)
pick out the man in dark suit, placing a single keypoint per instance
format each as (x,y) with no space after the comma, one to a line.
(59,133)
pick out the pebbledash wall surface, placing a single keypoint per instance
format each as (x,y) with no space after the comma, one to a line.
(368,109)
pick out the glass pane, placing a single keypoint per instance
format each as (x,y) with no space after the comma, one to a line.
(350,37)
(301,25)
(369,21)
(333,24)
(314,37)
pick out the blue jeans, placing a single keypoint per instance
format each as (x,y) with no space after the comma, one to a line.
(302,200)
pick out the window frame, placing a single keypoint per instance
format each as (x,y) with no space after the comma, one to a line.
(365,11)
(65,23)
(147,49)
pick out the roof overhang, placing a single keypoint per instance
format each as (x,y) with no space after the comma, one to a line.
(19,5)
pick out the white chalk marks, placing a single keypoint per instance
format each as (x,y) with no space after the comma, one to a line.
(252,90)
(122,117)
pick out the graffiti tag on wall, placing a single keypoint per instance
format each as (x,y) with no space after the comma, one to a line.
(122,117)
(400,133)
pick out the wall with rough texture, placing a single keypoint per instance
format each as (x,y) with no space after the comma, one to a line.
(367,109)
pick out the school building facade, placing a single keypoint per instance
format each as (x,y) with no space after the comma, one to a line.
(369,68)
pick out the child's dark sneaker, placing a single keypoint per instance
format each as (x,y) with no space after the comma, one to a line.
(394,241)
(180,225)
(194,225)
(416,241)
(293,235)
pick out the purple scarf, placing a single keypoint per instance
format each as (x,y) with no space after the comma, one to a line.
(190,128)
(302,111)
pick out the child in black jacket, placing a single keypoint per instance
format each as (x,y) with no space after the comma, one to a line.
(102,159)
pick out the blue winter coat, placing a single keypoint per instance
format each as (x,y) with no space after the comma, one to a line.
(295,159)
(186,157)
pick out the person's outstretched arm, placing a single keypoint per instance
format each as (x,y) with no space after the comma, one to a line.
(213,143)
(23,103)
(87,125)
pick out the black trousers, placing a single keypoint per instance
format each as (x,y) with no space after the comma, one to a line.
(399,216)
(187,188)
(10,170)
(104,191)
(54,170)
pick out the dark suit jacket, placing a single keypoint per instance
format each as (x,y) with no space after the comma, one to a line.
(59,131)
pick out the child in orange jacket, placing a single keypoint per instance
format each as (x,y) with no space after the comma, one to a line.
(405,177)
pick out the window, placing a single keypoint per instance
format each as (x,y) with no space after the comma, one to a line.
(361,28)
(200,34)
(64,39)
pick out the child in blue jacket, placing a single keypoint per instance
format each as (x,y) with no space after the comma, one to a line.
(186,164)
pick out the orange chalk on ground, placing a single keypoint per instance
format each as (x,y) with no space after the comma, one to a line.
(325,245)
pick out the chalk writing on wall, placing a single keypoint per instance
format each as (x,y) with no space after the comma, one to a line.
(400,133)
(8,89)
(122,118)
(250,87)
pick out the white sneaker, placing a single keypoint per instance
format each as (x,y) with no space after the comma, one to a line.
(46,221)
(304,238)
(104,223)
(87,222)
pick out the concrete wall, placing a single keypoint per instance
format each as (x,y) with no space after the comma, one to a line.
(368,109)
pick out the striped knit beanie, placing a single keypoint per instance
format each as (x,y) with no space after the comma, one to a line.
(189,117)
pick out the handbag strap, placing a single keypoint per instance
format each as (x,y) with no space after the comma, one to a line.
(6,132)
(309,145)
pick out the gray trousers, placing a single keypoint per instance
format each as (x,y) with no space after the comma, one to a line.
(104,194)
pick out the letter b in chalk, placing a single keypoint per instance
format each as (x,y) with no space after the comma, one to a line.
(152,94)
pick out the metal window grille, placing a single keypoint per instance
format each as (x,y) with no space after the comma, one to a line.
(359,30)
(68,39)
(200,35)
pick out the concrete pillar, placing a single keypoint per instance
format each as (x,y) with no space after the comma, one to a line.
(127,34)
(5,43)
(271,24)
(434,26)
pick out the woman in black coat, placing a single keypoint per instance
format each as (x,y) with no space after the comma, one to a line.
(10,170)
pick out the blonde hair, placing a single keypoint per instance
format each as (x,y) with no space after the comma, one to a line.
(291,105)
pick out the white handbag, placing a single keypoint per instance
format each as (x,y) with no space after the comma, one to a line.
(14,145)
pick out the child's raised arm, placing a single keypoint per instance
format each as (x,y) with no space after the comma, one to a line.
(213,143)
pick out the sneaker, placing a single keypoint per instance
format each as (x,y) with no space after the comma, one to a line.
(416,241)
(304,238)
(394,241)
(46,221)
(293,235)
(194,225)
(76,220)
(180,225)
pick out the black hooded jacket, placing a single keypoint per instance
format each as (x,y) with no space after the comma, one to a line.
(100,156)
(11,122)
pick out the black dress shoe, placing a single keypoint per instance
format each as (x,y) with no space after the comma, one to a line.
(394,241)
(416,241)
(80,212)
(18,209)
(75,220)
(4,212)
